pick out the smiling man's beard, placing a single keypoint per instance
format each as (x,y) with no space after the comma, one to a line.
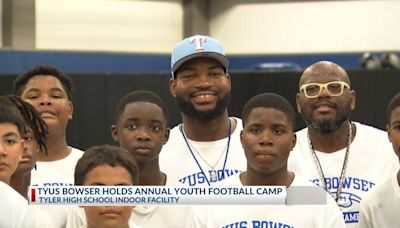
(203,117)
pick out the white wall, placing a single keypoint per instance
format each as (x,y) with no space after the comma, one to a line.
(273,27)
(108,25)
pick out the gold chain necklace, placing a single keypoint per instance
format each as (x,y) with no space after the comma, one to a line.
(344,166)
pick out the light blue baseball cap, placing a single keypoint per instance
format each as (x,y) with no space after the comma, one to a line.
(197,46)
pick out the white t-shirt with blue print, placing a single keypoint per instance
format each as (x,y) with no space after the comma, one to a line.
(371,160)
(178,163)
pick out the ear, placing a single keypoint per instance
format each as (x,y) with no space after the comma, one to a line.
(294,140)
(389,132)
(166,135)
(71,110)
(298,103)
(114,132)
(22,149)
(241,137)
(228,77)
(172,87)
(353,100)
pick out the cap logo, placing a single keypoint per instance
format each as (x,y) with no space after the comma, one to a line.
(199,40)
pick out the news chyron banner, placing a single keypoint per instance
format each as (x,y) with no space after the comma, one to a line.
(156,195)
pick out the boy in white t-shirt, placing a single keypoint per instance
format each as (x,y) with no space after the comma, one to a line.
(14,209)
(141,128)
(267,138)
(34,135)
(380,207)
(107,166)
(11,143)
(50,91)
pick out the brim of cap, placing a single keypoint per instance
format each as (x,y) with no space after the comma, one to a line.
(220,58)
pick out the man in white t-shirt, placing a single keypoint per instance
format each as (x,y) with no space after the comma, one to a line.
(50,92)
(267,138)
(205,148)
(346,158)
(380,207)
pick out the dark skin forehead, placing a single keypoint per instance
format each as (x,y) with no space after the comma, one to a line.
(324,69)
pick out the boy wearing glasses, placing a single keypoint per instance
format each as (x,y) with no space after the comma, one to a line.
(345,158)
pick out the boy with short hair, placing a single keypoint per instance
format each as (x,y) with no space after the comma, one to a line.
(267,138)
(50,92)
(107,166)
(141,128)
(380,207)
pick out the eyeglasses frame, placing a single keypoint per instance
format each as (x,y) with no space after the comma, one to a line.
(324,86)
